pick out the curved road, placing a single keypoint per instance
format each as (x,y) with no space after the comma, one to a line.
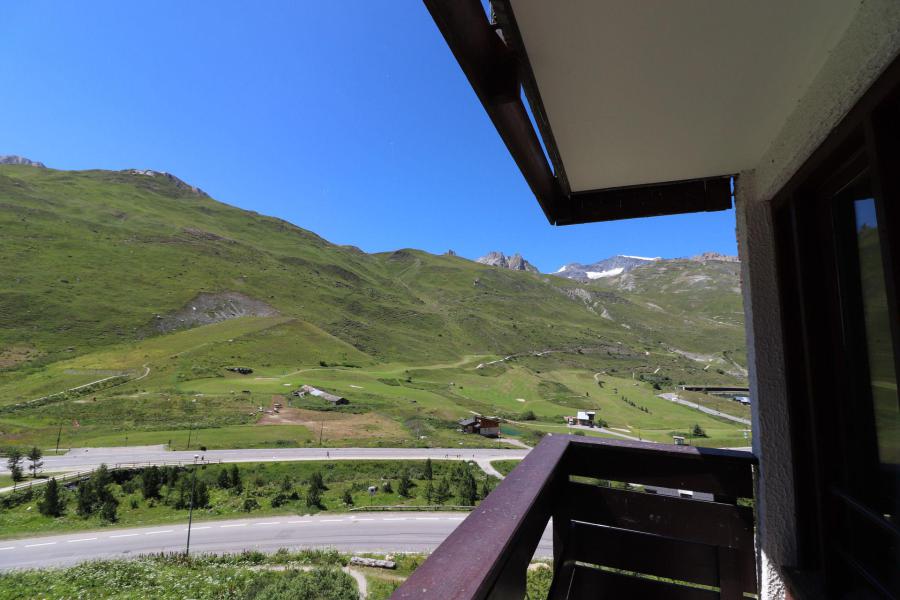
(381,532)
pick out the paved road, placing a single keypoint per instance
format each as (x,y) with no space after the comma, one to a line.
(79,459)
(348,532)
(678,400)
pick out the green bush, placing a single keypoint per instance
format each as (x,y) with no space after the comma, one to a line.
(317,584)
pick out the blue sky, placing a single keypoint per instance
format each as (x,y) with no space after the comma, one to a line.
(350,119)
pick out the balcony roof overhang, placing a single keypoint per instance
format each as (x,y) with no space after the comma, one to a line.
(644,108)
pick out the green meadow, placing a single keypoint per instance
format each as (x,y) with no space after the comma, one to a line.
(126,297)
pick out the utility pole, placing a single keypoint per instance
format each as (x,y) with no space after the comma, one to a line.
(58,435)
(190,430)
(187,549)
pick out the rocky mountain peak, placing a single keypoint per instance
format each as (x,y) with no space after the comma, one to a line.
(178,182)
(608,267)
(12,159)
(514,262)
(708,256)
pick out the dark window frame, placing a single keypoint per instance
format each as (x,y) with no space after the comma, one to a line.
(818,274)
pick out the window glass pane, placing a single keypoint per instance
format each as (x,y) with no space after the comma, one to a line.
(878,333)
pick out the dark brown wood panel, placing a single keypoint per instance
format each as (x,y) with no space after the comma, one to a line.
(720,472)
(707,523)
(642,552)
(651,200)
(593,584)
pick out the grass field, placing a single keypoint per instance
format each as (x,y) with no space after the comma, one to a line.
(220,577)
(179,395)
(312,575)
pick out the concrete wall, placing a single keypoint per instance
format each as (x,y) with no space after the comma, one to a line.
(869,44)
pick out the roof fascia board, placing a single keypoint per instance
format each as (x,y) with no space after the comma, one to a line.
(492,71)
(509,28)
(670,198)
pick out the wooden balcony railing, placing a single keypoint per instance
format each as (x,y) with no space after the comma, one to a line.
(607,542)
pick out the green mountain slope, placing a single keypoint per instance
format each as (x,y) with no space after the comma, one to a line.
(102,271)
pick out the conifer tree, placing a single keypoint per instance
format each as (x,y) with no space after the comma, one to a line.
(51,505)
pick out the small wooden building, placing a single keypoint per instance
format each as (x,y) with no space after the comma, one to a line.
(486,426)
(308,390)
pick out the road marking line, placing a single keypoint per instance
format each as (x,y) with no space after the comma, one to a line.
(396,519)
(363,519)
(36,545)
(456,518)
(426,518)
(124,535)
(331,520)
(235,525)
(8,548)
(268,523)
(196,528)
(81,540)
(163,531)
(298,521)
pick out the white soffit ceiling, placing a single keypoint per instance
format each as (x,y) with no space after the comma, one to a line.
(646,91)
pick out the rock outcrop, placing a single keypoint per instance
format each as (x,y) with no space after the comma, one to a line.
(513,263)
(171,178)
(12,159)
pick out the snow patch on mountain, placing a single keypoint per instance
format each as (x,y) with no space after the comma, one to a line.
(602,274)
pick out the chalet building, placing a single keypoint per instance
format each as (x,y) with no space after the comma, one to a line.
(486,426)
(585,417)
(489,426)
(468,425)
(308,390)
(787,111)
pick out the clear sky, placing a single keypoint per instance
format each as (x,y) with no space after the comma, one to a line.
(351,119)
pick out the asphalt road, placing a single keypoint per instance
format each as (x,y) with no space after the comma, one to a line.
(79,459)
(385,532)
(676,399)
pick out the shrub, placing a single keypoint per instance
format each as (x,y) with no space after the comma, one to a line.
(250,503)
(442,493)
(236,482)
(150,482)
(224,480)
(313,497)
(109,510)
(316,481)
(404,486)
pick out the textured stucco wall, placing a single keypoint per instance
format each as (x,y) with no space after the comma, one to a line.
(870,43)
(771,435)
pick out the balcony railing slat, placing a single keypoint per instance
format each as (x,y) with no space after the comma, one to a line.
(707,523)
(660,556)
(720,472)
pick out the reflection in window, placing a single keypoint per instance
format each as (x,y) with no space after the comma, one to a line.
(878,333)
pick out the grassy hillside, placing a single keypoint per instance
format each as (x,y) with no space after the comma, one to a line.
(144,291)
